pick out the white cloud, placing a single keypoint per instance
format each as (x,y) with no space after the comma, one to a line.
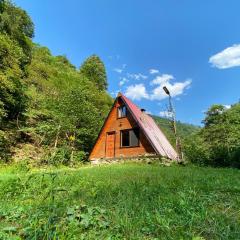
(175,89)
(139,91)
(229,57)
(227,106)
(123,81)
(164,78)
(112,57)
(115,93)
(136,76)
(153,71)
(149,112)
(166,114)
(120,69)
(136,92)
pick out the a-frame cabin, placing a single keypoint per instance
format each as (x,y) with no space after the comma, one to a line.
(130,132)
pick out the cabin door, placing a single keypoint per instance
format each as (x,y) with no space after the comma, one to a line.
(110,145)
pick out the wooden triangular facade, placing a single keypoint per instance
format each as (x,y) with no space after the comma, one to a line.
(131,135)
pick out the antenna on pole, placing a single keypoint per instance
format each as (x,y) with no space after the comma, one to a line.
(174,125)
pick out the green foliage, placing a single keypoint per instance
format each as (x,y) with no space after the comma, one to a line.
(2,110)
(94,70)
(80,115)
(16,31)
(47,102)
(196,150)
(121,201)
(87,217)
(15,23)
(12,99)
(218,141)
(4,147)
(66,109)
(43,97)
(184,129)
(65,155)
(52,105)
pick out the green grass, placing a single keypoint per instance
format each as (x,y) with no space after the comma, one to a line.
(127,201)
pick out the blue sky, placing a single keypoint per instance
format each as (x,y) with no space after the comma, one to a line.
(190,46)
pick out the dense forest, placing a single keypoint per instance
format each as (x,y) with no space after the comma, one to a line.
(218,142)
(184,130)
(48,107)
(52,111)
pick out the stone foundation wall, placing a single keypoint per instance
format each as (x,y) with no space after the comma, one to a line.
(150,159)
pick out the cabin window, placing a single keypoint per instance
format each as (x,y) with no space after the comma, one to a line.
(130,138)
(122,112)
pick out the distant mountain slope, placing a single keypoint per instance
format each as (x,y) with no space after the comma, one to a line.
(183,129)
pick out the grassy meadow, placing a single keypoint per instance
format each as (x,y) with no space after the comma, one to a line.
(122,201)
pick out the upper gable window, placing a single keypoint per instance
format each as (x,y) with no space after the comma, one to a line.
(122,111)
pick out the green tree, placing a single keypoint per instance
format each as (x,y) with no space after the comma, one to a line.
(16,31)
(16,23)
(65,110)
(218,142)
(58,108)
(12,99)
(213,115)
(94,69)
(196,149)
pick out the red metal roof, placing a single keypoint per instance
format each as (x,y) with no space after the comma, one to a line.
(151,130)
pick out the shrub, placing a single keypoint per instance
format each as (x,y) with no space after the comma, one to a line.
(195,150)
(5,153)
(64,155)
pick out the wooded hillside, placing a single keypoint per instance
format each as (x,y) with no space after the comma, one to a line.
(51,111)
(184,130)
(45,101)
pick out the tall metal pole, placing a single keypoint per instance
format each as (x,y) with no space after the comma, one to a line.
(173,120)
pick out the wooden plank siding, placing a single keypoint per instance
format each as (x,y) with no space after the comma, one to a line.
(115,124)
